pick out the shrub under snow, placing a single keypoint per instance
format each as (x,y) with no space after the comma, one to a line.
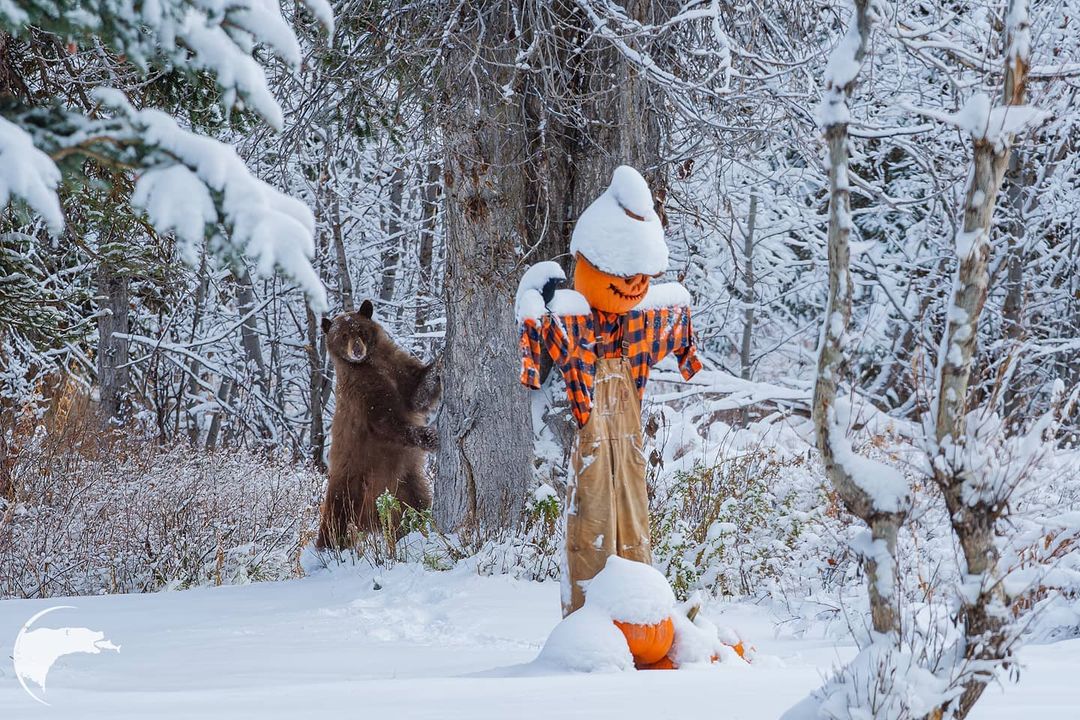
(98,516)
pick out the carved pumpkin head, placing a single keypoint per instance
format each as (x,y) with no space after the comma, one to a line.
(607,292)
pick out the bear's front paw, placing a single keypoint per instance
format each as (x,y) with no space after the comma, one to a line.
(427,438)
(428,395)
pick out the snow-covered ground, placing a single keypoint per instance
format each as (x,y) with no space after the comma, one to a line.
(426,645)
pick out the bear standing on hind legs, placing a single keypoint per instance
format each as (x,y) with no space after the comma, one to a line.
(380,434)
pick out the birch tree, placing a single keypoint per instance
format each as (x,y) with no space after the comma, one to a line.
(871,491)
(962,450)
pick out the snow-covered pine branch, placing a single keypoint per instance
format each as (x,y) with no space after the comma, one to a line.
(186,184)
(30,176)
(191,183)
(212,36)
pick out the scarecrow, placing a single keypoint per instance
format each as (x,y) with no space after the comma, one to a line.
(604,336)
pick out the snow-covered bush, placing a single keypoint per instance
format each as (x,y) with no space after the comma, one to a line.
(738,527)
(86,514)
(531,551)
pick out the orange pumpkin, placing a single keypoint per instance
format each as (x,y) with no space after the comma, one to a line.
(648,643)
(607,292)
(664,663)
(740,649)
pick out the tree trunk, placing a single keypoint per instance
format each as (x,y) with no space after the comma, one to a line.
(193,366)
(249,328)
(884,522)
(316,387)
(748,292)
(485,453)
(224,394)
(618,123)
(112,287)
(428,226)
(348,303)
(392,252)
(1013,310)
(519,171)
(973,515)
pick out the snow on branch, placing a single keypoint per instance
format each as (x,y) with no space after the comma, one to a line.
(28,174)
(842,69)
(886,487)
(214,36)
(983,122)
(192,183)
(602,15)
(12,13)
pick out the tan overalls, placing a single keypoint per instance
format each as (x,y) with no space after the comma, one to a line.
(607,508)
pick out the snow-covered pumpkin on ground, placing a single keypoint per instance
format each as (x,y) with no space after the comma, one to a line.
(630,619)
(648,643)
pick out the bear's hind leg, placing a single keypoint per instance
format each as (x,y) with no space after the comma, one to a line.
(339,518)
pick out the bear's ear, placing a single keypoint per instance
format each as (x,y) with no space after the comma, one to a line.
(367,309)
(326,323)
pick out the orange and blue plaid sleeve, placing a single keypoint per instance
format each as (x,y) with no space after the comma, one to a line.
(530,353)
(685,350)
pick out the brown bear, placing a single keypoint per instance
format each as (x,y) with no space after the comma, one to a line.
(380,433)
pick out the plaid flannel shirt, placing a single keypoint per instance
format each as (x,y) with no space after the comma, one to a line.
(574,343)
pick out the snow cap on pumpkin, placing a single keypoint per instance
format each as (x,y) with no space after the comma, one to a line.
(630,592)
(620,232)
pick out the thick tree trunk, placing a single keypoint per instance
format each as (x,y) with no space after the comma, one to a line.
(618,122)
(485,455)
(517,176)
(112,287)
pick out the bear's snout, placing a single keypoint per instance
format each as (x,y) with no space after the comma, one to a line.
(355,350)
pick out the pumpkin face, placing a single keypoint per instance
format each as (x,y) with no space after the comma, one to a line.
(606,292)
(648,643)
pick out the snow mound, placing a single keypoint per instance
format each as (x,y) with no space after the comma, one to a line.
(312,560)
(631,592)
(612,238)
(529,302)
(696,641)
(569,302)
(665,295)
(587,641)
